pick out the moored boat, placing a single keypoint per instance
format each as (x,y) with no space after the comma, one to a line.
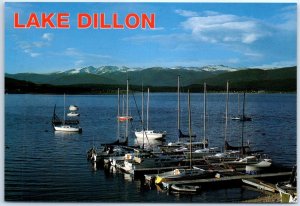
(125,118)
(182,174)
(150,134)
(65,125)
(185,188)
(67,128)
(73,108)
(73,114)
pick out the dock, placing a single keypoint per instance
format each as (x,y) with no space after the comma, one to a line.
(141,171)
(230,178)
(260,184)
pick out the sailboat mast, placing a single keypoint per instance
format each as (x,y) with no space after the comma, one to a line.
(204,115)
(178,106)
(148,109)
(127,88)
(190,127)
(64,108)
(243,124)
(226,112)
(123,105)
(118,132)
(238,103)
(143,115)
(143,107)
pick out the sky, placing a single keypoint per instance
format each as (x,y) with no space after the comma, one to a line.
(238,35)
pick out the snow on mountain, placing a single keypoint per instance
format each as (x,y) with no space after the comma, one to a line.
(111,69)
(214,68)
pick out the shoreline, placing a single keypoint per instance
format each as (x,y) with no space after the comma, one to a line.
(265,198)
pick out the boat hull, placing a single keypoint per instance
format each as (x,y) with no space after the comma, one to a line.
(150,134)
(185,188)
(67,128)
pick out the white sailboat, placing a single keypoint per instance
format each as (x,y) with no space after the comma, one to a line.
(63,127)
(182,141)
(238,116)
(241,117)
(199,153)
(183,174)
(148,134)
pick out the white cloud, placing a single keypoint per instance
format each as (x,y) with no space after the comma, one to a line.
(253,54)
(48,36)
(186,13)
(31,48)
(76,53)
(31,53)
(78,63)
(224,28)
(158,28)
(34,54)
(287,18)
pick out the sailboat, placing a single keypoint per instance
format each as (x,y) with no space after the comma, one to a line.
(230,153)
(63,126)
(149,134)
(125,117)
(113,151)
(252,160)
(237,117)
(199,153)
(182,141)
(241,117)
(183,174)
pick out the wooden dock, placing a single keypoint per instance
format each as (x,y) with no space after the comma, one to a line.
(230,178)
(142,171)
(260,184)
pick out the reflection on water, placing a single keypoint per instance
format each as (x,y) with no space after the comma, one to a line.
(151,144)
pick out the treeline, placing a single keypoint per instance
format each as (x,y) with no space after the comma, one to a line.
(13,86)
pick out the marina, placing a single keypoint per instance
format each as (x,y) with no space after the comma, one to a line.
(69,154)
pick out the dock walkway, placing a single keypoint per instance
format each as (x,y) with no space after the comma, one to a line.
(229,178)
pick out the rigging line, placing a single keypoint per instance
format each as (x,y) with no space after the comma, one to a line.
(140,117)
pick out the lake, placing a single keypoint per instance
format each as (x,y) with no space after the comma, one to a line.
(43,165)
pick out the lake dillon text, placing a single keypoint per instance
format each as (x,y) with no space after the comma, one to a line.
(85,21)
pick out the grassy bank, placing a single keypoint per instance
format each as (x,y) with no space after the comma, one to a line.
(265,198)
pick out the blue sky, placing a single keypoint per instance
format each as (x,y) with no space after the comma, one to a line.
(186,34)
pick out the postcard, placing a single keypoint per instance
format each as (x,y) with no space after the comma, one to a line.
(150,102)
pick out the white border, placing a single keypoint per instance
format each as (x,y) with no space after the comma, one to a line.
(2,68)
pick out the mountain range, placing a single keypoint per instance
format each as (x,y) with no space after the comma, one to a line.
(158,76)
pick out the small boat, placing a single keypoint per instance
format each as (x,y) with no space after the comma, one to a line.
(181,174)
(199,153)
(185,188)
(67,128)
(253,163)
(73,108)
(150,134)
(124,118)
(73,114)
(236,118)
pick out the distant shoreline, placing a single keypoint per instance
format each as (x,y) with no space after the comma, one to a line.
(212,92)
(14,86)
